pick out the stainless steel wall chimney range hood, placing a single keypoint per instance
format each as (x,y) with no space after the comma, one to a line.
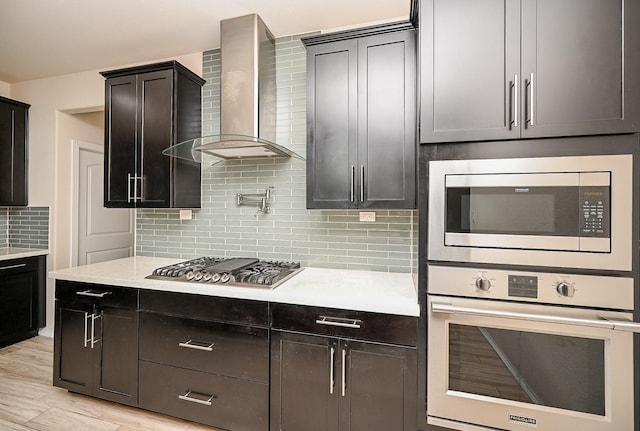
(248,96)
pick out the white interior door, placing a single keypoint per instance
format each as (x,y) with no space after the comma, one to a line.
(100,233)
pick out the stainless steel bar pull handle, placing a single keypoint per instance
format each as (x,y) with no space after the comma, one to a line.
(197,345)
(361,183)
(93,293)
(13,266)
(353,183)
(90,332)
(94,317)
(515,101)
(129,197)
(618,325)
(332,380)
(344,372)
(138,192)
(86,340)
(188,397)
(531,93)
(339,321)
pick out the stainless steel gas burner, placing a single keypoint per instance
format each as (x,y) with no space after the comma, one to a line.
(245,272)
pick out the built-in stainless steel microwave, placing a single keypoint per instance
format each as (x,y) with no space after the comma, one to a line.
(571,212)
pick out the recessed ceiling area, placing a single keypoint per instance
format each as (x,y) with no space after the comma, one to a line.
(44,38)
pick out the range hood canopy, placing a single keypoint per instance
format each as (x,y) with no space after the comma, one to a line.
(229,146)
(247,96)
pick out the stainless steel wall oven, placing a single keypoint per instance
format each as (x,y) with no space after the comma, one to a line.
(507,352)
(531,270)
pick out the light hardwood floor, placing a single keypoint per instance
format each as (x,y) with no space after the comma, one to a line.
(28,401)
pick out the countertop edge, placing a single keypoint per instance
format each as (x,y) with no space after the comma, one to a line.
(309,288)
(10,253)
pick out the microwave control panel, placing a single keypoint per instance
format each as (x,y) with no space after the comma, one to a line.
(595,211)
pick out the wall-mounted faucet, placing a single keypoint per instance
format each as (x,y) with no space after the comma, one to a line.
(261,200)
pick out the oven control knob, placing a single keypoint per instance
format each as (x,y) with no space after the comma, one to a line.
(483,283)
(565,289)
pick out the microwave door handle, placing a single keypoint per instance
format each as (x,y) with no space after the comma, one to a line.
(618,325)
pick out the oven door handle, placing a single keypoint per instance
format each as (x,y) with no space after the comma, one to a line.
(618,325)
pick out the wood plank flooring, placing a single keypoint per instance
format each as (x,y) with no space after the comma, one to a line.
(28,401)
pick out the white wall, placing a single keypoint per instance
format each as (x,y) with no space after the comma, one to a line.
(5,89)
(52,125)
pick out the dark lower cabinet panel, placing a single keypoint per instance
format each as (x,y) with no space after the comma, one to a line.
(323,383)
(72,360)
(234,350)
(219,401)
(303,384)
(22,289)
(117,373)
(380,387)
(96,343)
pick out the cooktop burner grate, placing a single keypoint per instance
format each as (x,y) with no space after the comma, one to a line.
(246,272)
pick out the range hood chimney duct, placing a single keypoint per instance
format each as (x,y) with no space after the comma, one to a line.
(247,96)
(248,79)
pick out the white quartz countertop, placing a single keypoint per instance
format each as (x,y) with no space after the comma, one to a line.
(380,292)
(8,253)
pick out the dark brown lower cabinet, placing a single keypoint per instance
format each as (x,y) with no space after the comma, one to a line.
(211,399)
(22,298)
(323,383)
(235,364)
(205,359)
(96,341)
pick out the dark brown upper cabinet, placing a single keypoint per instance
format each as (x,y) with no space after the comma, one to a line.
(14,152)
(148,109)
(361,118)
(496,69)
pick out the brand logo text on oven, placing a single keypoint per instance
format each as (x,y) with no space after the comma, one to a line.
(523,420)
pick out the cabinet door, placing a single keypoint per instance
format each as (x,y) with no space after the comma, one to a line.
(117,373)
(386,121)
(19,301)
(120,159)
(573,66)
(155,133)
(469,62)
(379,384)
(331,124)
(73,356)
(13,154)
(304,382)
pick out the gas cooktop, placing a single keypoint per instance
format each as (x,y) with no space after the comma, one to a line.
(245,272)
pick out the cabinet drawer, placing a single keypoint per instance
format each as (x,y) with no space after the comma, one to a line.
(16,266)
(385,328)
(233,350)
(99,294)
(206,307)
(222,402)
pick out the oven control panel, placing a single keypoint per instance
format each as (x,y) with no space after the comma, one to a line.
(539,287)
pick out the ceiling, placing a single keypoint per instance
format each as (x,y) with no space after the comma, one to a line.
(44,38)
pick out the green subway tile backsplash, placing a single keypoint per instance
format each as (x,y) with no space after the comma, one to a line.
(4,227)
(321,238)
(27,227)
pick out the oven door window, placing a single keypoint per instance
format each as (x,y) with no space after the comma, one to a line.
(544,369)
(548,211)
